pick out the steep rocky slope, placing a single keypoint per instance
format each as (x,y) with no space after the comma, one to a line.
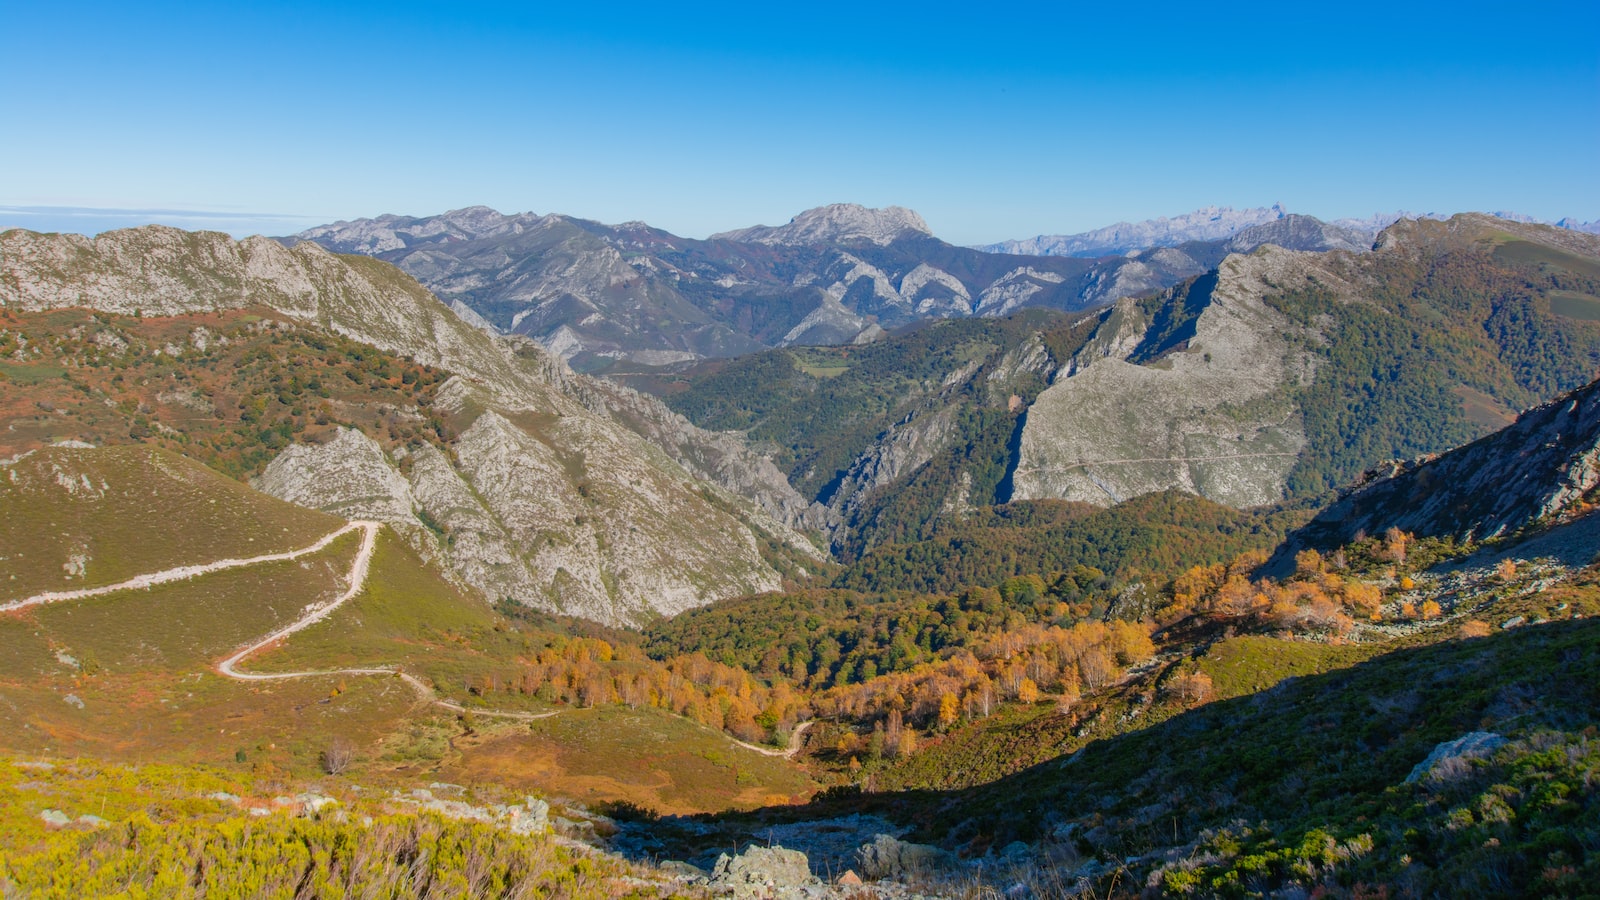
(542,497)
(890,433)
(1281,374)
(1545,464)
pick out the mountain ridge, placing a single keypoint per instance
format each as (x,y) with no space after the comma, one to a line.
(535,454)
(612,297)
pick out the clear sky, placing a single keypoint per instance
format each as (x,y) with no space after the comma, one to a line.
(993,121)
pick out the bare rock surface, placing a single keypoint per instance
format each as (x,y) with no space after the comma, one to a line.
(837,223)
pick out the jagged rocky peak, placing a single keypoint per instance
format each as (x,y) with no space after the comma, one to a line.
(837,223)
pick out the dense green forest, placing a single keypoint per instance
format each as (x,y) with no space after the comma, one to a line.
(1149,535)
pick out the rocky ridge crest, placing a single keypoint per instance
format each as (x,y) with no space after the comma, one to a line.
(1541,466)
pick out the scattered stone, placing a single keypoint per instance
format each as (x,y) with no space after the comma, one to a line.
(455,809)
(577,829)
(531,818)
(849,879)
(223,797)
(311,803)
(1016,850)
(73,700)
(690,873)
(37,766)
(1513,622)
(55,817)
(92,821)
(1473,745)
(754,872)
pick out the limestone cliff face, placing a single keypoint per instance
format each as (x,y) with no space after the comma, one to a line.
(551,498)
(1210,415)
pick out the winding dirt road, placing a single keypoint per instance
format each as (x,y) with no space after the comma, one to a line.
(229,668)
(796,741)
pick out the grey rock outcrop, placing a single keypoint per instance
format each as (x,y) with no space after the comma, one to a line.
(888,857)
(759,870)
(1473,745)
(349,476)
(531,817)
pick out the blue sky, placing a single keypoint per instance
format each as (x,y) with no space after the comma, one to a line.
(993,122)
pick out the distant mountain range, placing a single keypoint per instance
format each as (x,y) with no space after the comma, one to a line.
(610,296)
(1217,223)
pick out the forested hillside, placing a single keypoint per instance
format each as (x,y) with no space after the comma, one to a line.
(1445,347)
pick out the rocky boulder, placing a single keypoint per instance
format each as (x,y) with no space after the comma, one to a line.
(888,857)
(756,871)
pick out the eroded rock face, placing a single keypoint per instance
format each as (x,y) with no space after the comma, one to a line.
(888,857)
(1211,416)
(349,476)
